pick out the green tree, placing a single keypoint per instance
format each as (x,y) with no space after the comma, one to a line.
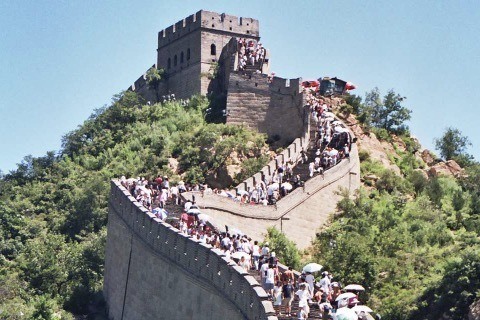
(453,146)
(285,249)
(387,113)
(154,77)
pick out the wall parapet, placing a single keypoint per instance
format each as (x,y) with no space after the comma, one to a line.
(213,21)
(194,258)
(291,153)
(273,213)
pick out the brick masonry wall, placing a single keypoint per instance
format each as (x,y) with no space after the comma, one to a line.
(307,209)
(276,108)
(152,271)
(197,33)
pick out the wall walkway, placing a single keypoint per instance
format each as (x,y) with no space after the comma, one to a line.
(305,208)
(152,271)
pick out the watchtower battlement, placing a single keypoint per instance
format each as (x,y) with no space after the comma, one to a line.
(211,21)
(286,86)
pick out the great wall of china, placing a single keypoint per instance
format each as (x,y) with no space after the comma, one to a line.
(149,264)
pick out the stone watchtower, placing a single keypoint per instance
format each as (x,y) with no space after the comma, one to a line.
(192,48)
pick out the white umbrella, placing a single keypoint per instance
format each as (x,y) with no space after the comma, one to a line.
(359,309)
(354,287)
(346,295)
(312,267)
(193,211)
(203,217)
(273,186)
(242,192)
(287,186)
(239,254)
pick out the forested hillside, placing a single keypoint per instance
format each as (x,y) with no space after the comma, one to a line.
(410,239)
(54,208)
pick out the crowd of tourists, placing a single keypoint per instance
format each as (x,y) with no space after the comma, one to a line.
(332,144)
(281,285)
(250,52)
(332,140)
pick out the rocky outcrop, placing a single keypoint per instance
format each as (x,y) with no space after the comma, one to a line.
(428,157)
(378,150)
(449,168)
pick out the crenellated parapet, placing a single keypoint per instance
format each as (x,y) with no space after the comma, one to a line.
(144,253)
(211,21)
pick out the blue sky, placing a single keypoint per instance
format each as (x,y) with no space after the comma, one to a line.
(60,60)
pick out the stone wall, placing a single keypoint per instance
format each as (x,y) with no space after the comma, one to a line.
(275,108)
(306,208)
(185,49)
(154,272)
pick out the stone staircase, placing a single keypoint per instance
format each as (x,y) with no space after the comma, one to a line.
(302,168)
(314,311)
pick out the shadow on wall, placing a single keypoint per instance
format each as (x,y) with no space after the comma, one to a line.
(206,267)
(285,117)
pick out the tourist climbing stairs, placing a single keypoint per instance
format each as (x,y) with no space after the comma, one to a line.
(314,311)
(301,167)
(253,68)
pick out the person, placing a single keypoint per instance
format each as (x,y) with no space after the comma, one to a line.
(303,295)
(256,254)
(303,156)
(345,313)
(302,313)
(244,263)
(311,169)
(325,282)
(289,276)
(325,307)
(269,279)
(277,296)
(265,251)
(263,273)
(287,293)
(273,260)
(310,279)
(335,292)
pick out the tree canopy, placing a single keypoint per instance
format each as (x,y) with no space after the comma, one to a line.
(54,208)
(453,146)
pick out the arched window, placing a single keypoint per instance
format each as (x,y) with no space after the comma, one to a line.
(188,54)
(175,60)
(181,57)
(213,50)
(169,63)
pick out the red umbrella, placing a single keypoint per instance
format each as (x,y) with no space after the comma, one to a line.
(310,83)
(350,86)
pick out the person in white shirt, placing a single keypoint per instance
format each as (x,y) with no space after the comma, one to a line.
(303,295)
(263,274)
(310,279)
(325,282)
(256,254)
(269,279)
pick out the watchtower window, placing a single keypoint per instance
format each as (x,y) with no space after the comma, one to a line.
(175,60)
(213,50)
(169,63)
(188,54)
(181,57)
